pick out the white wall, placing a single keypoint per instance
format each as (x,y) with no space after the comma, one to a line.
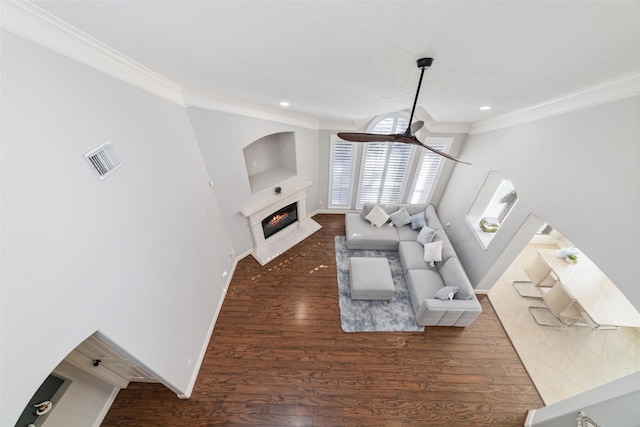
(612,404)
(578,171)
(222,137)
(138,256)
(83,402)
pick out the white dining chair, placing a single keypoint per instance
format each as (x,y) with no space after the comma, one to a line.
(561,308)
(541,279)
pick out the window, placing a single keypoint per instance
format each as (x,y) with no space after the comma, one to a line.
(384,164)
(383,172)
(502,201)
(428,171)
(496,199)
(341,173)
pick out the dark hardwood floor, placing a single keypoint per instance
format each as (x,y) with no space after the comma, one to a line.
(278,357)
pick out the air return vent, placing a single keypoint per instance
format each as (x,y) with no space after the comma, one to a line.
(104,160)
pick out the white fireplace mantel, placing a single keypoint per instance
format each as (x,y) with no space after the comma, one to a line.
(265,250)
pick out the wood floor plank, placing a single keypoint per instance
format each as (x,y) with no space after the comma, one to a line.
(278,357)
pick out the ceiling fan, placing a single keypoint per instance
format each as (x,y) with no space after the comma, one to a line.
(408,136)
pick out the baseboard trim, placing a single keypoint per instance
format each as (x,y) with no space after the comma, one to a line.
(205,347)
(528,421)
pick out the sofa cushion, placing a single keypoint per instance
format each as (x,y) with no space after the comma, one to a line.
(411,254)
(377,216)
(422,284)
(362,235)
(400,217)
(407,233)
(433,252)
(367,207)
(418,221)
(447,247)
(453,275)
(426,235)
(432,218)
(446,292)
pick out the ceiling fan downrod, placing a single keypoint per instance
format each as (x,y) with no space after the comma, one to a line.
(423,64)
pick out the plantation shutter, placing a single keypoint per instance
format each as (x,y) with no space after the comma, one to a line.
(375,159)
(395,173)
(341,173)
(384,165)
(427,174)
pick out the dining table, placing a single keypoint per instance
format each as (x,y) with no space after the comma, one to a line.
(596,294)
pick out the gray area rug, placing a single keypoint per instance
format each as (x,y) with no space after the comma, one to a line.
(373,316)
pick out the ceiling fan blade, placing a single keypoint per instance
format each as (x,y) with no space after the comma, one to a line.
(416,126)
(373,137)
(367,137)
(416,141)
(443,154)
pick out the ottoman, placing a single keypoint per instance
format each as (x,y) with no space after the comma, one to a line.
(370,278)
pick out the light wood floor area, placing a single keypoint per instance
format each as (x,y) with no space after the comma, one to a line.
(278,357)
(561,362)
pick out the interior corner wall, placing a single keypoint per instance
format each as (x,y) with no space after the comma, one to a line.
(611,404)
(577,171)
(222,137)
(138,256)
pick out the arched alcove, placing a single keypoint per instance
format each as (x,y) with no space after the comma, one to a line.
(270,160)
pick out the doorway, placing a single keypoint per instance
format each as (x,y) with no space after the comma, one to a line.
(560,362)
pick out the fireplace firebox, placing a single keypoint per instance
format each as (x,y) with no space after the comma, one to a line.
(279,220)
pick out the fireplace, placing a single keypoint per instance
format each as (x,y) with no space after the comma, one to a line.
(287,213)
(279,220)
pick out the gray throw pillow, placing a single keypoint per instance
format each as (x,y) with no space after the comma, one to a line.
(446,292)
(426,235)
(400,217)
(418,221)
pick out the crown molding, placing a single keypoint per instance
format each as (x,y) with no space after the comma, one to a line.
(434,127)
(207,101)
(39,26)
(344,125)
(612,90)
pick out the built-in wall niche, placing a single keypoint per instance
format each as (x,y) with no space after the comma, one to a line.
(270,160)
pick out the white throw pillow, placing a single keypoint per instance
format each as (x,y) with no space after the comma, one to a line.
(377,216)
(433,252)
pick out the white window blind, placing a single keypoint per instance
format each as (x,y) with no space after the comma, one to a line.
(342,169)
(383,172)
(427,173)
(502,201)
(384,165)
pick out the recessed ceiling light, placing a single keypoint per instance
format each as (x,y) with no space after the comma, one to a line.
(284,103)
(485,108)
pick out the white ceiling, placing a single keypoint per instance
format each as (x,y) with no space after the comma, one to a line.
(351,60)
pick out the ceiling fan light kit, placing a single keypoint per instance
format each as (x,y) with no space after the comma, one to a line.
(408,136)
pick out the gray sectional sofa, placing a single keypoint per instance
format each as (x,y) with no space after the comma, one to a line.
(431,284)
